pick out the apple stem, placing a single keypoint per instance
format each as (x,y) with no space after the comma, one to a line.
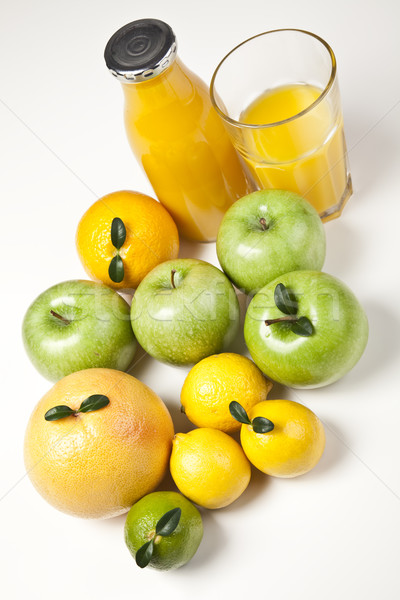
(291,318)
(173,271)
(54,314)
(263,224)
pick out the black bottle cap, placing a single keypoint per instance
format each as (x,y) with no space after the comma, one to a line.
(140,50)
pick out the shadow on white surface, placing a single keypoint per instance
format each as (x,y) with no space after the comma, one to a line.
(383,346)
(114,522)
(167,484)
(372,152)
(214,541)
(344,247)
(140,364)
(259,483)
(180,420)
(279,392)
(334,453)
(188,249)
(239,345)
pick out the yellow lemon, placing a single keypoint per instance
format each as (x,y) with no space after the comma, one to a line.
(209,467)
(215,382)
(294,445)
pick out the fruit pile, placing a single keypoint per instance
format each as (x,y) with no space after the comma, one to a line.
(100,441)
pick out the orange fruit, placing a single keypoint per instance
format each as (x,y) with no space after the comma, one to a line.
(151,237)
(98,464)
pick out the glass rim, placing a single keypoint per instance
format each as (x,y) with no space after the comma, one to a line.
(322,95)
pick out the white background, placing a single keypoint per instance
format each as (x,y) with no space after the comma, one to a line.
(333,533)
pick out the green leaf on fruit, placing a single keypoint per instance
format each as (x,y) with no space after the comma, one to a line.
(118,233)
(303,327)
(94,402)
(262,425)
(116,269)
(285,300)
(238,412)
(168,522)
(58,412)
(144,554)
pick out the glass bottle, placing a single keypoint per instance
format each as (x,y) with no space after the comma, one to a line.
(173,129)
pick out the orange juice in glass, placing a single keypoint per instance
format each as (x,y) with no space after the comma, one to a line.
(174,131)
(285,117)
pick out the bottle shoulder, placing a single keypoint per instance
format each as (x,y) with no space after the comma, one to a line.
(178,85)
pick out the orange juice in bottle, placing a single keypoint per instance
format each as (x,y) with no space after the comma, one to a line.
(173,129)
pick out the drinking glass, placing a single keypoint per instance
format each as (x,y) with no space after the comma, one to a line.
(278,96)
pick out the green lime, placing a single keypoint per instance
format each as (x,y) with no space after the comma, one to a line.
(163,530)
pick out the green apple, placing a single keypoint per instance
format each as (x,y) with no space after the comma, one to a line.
(77,325)
(269,233)
(305,329)
(185,310)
